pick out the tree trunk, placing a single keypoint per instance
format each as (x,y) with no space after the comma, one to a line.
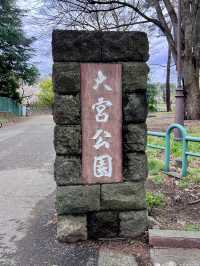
(190,66)
(168,96)
(192,90)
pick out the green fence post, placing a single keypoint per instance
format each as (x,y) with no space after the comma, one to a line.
(184,151)
(167,152)
(184,157)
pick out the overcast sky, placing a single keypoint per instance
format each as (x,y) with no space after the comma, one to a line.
(42,47)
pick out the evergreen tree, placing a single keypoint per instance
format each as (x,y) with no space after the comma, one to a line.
(15,51)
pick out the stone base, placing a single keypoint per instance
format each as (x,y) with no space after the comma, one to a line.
(98,225)
(101,211)
(103,225)
(71,228)
(133,224)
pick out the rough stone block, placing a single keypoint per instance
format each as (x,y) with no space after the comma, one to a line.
(76,46)
(123,196)
(71,229)
(67,109)
(78,199)
(124,46)
(66,78)
(67,140)
(134,77)
(133,224)
(88,46)
(134,137)
(67,170)
(103,224)
(135,166)
(135,108)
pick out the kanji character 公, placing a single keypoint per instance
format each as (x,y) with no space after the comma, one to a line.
(100,141)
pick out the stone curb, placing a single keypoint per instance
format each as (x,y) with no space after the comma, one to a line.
(174,238)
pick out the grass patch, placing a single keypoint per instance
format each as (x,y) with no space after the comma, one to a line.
(154,200)
(195,173)
(176,146)
(155,166)
(157,179)
(193,178)
(194,131)
(156,158)
(184,183)
(192,227)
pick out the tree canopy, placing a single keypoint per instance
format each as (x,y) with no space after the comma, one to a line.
(15,51)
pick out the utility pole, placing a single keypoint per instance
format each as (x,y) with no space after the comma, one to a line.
(179,90)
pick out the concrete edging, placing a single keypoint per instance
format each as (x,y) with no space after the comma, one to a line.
(174,238)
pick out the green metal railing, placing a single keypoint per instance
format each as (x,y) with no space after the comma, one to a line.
(185,140)
(159,135)
(8,105)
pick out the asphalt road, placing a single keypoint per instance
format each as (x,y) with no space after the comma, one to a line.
(27,195)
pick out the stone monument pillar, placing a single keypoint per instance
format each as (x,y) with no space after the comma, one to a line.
(100,110)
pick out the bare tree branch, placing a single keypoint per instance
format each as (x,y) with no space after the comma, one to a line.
(166,29)
(125,4)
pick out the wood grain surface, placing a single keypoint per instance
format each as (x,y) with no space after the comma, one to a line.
(101,117)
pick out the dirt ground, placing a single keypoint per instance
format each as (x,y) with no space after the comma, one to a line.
(181,208)
(160,122)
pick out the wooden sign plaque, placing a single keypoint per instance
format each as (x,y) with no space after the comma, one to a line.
(101,117)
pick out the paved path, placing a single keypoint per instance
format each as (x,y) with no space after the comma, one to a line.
(26,157)
(27,195)
(175,257)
